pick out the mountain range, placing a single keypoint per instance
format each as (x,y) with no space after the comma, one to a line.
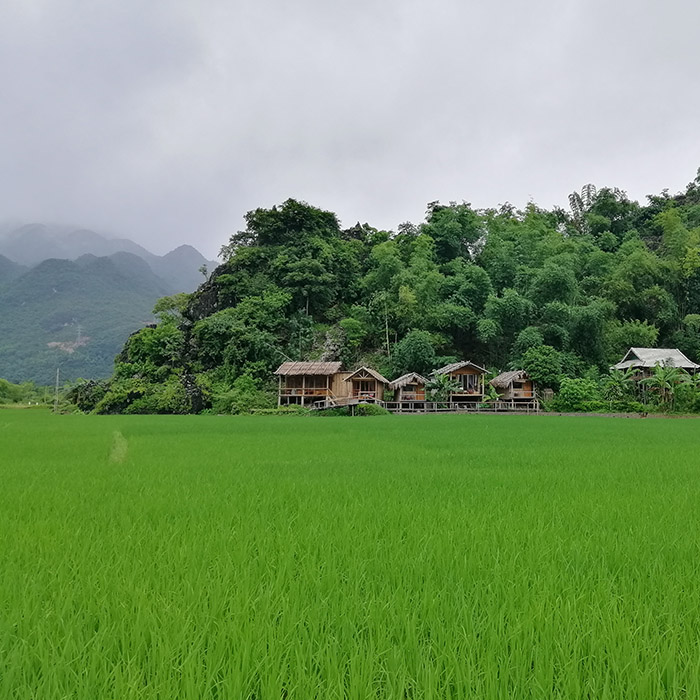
(70,297)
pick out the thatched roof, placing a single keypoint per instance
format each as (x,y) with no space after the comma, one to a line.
(505,379)
(455,366)
(296,369)
(649,357)
(410,378)
(371,372)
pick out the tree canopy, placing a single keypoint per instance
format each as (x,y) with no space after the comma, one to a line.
(557,292)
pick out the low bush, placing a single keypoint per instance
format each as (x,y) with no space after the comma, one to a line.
(576,394)
(292,410)
(370,409)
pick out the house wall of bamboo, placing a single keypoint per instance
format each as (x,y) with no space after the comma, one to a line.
(340,388)
(410,392)
(474,388)
(524,389)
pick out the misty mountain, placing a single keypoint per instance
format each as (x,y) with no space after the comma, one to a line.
(30,244)
(74,315)
(69,297)
(9,270)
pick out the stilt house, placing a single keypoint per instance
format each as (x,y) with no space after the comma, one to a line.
(409,388)
(366,383)
(514,386)
(305,382)
(645,359)
(469,377)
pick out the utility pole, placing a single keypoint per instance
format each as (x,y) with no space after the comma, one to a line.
(55,398)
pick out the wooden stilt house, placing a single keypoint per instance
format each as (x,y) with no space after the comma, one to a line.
(409,388)
(304,383)
(469,379)
(514,386)
(366,384)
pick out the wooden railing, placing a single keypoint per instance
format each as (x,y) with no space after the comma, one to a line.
(304,391)
(462,407)
(413,396)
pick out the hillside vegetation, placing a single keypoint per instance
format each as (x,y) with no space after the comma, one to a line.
(77,296)
(564,293)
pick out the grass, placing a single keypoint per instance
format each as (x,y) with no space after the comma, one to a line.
(399,557)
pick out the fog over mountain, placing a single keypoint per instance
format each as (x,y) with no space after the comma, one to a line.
(171,120)
(70,296)
(29,244)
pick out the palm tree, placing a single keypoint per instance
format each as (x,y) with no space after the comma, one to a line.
(665,380)
(619,384)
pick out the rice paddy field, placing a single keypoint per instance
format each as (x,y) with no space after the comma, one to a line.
(389,557)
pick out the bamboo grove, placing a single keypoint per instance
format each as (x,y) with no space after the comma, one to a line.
(566,291)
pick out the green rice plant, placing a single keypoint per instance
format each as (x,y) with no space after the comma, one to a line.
(448,556)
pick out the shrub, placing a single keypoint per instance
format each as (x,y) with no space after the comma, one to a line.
(543,365)
(576,393)
(292,410)
(86,394)
(244,397)
(370,409)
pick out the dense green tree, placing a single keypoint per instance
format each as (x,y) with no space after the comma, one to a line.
(414,353)
(543,364)
(559,293)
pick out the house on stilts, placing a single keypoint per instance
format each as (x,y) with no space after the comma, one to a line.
(645,359)
(515,386)
(468,380)
(326,385)
(366,384)
(303,383)
(409,391)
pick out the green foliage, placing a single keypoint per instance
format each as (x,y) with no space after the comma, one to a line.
(86,394)
(370,409)
(291,410)
(664,382)
(530,337)
(23,393)
(557,293)
(441,386)
(578,395)
(544,366)
(245,396)
(172,307)
(415,353)
(623,335)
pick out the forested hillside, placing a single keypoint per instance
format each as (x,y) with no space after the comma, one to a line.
(69,297)
(578,285)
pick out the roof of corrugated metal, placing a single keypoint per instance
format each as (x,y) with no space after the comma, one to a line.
(649,357)
(300,368)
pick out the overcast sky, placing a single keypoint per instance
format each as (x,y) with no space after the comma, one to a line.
(166,121)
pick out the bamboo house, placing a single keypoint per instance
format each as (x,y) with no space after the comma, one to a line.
(302,383)
(514,386)
(409,387)
(468,379)
(366,383)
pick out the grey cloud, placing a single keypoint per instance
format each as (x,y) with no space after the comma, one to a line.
(166,122)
